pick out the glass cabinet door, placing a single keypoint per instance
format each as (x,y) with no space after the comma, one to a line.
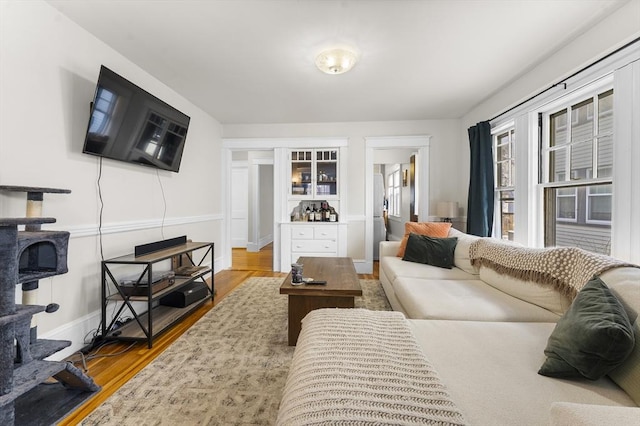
(326,172)
(301,172)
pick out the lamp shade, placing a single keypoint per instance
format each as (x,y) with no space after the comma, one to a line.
(336,61)
(447,209)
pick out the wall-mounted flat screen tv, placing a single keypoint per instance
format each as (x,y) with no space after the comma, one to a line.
(129,124)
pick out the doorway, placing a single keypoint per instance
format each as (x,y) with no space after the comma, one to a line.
(392,167)
(387,145)
(252,210)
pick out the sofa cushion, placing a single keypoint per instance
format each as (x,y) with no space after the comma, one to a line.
(572,414)
(624,283)
(432,251)
(592,338)
(461,253)
(431,229)
(394,267)
(529,291)
(463,300)
(490,369)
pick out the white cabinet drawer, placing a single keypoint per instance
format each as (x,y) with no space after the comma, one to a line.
(302,233)
(314,246)
(325,232)
(314,232)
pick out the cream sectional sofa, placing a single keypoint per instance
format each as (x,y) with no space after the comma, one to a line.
(464,292)
(465,347)
(485,334)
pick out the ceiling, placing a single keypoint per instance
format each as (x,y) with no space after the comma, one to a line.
(252,61)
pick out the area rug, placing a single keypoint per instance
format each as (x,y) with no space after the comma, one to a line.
(229,368)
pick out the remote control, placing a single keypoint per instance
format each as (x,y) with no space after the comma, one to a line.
(316,282)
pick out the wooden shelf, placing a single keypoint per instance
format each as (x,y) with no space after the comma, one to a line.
(163,317)
(160,255)
(179,282)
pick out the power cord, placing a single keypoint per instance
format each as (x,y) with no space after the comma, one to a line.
(88,357)
(164,201)
(101,208)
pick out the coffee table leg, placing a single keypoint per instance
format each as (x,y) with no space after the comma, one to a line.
(300,306)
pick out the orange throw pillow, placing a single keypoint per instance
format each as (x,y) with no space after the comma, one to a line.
(430,229)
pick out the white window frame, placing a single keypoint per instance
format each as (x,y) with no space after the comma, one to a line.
(588,197)
(592,90)
(566,102)
(508,127)
(622,71)
(393,193)
(575,205)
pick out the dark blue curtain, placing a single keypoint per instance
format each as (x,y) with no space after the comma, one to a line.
(480,200)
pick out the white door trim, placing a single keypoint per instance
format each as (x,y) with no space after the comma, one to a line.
(421,144)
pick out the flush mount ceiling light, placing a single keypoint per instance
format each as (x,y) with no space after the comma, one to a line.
(336,61)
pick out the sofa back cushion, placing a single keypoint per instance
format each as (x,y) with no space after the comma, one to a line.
(624,283)
(461,253)
(543,296)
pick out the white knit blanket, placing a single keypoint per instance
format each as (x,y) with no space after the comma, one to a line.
(360,367)
(567,269)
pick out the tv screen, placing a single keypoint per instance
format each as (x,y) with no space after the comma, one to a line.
(129,124)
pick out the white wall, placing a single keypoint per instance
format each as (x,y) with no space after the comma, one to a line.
(260,193)
(444,149)
(265,210)
(619,28)
(48,73)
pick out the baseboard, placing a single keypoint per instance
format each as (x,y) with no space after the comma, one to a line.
(77,330)
(362,266)
(253,247)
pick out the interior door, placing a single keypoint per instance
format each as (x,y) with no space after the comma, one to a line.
(239,206)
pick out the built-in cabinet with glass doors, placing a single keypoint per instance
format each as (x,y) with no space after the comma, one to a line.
(314,173)
(315,183)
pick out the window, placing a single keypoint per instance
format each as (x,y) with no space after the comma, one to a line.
(599,204)
(566,204)
(503,142)
(393,193)
(577,168)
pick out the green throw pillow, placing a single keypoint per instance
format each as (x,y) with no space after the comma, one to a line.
(429,250)
(592,338)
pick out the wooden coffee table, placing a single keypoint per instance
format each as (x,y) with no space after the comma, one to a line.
(342,287)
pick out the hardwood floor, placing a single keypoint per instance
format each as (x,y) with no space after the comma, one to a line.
(114,364)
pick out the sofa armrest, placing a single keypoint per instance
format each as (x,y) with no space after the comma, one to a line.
(389,248)
(569,414)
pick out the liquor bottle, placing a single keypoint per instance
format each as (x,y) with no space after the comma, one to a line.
(307,214)
(327,212)
(318,214)
(333,216)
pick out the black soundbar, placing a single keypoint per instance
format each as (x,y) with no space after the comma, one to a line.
(143,249)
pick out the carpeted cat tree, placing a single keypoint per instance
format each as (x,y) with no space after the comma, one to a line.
(26,257)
